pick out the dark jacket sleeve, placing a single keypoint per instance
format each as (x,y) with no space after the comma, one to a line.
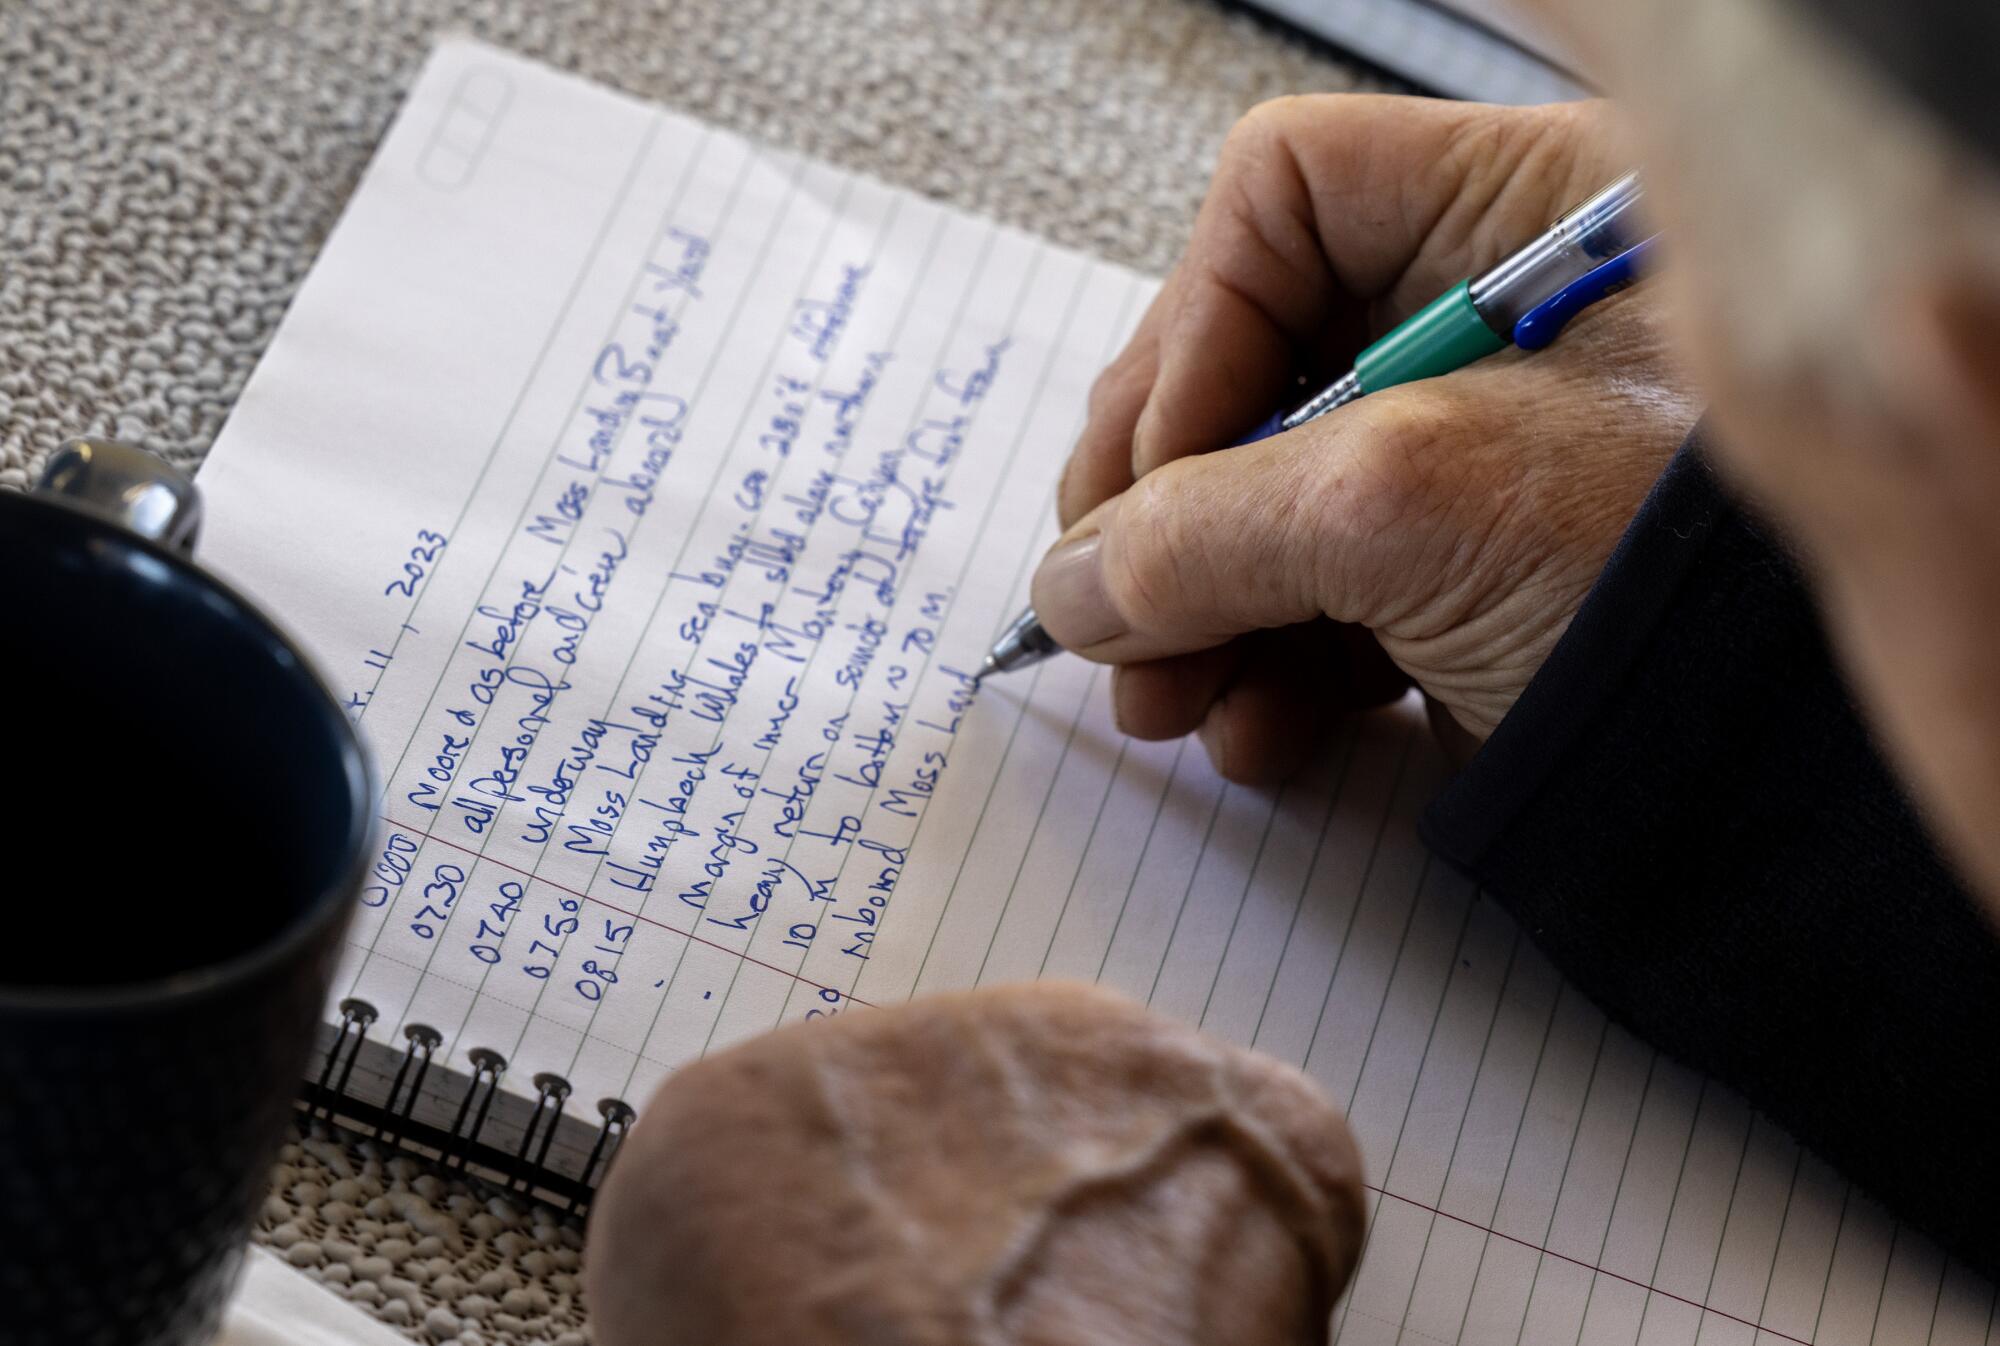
(1687,812)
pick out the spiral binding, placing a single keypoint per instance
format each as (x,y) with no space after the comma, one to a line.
(618,1116)
(394,1122)
(355,1017)
(487,1067)
(424,1040)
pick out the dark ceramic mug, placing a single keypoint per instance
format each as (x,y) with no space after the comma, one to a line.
(186,814)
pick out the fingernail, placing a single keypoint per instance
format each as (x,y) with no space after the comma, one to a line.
(1070,596)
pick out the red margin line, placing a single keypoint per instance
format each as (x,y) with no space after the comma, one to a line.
(1577,1261)
(622,911)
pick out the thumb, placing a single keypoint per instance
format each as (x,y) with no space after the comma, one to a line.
(1301,525)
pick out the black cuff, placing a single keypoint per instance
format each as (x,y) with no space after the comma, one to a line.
(1590,664)
(1687,813)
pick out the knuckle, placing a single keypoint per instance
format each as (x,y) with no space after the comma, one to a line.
(1387,479)
(1278,562)
(1223,742)
(1256,128)
(1138,708)
(1112,386)
(1447,479)
(1393,475)
(1476,139)
(1273,121)
(1149,562)
(1264,133)
(1338,121)
(1067,487)
(1223,755)
(1150,438)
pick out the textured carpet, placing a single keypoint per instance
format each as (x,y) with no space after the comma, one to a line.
(168,169)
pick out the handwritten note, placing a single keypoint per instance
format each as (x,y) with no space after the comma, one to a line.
(649,496)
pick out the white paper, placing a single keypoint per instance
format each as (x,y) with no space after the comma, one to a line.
(277,1306)
(869,396)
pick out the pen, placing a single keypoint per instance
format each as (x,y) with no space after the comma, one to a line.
(1589,253)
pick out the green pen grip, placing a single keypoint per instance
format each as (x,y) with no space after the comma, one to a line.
(1444,335)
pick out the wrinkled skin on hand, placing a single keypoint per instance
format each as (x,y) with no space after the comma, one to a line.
(1442,532)
(1014,1166)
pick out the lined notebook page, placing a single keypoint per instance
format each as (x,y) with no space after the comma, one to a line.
(649,495)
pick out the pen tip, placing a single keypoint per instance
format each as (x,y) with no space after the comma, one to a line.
(986,666)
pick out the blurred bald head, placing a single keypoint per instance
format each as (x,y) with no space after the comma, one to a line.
(1939,52)
(1828,174)
(1801,184)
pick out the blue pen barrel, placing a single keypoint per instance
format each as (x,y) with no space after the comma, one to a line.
(1272,424)
(1549,317)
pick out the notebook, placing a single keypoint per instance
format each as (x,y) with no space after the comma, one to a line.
(649,495)
(1487,50)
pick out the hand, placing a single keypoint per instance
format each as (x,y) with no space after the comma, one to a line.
(1011,1166)
(1443,531)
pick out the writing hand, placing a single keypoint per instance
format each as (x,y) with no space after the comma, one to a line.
(1443,531)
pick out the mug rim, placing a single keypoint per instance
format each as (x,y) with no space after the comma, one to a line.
(328,905)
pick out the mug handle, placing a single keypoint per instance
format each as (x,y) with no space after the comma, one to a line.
(128,486)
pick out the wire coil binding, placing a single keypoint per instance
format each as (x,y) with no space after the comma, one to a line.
(397,1122)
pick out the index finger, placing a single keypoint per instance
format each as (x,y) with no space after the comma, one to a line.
(1100,466)
(1218,290)
(1328,216)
